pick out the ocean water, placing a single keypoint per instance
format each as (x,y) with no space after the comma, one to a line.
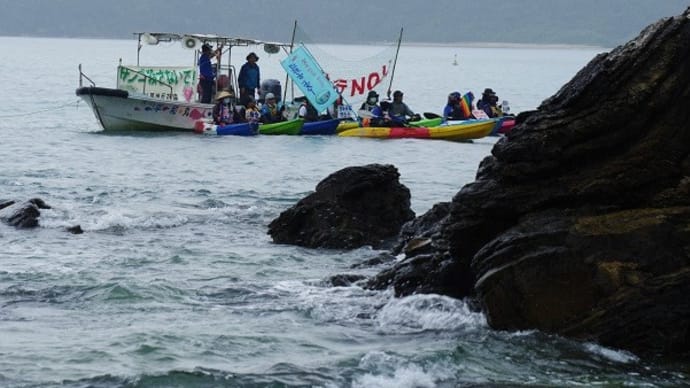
(175,283)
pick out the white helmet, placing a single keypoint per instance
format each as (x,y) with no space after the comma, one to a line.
(270,96)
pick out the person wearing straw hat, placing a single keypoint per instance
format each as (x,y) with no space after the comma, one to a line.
(224,112)
(249,78)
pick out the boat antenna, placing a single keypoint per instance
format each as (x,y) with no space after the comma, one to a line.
(287,78)
(390,84)
(138,47)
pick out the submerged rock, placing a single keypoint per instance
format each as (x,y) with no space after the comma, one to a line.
(353,207)
(578,223)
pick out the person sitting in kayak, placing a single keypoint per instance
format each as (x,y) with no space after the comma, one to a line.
(224,111)
(458,107)
(306,111)
(488,103)
(371,102)
(452,110)
(271,112)
(251,113)
(399,112)
(380,116)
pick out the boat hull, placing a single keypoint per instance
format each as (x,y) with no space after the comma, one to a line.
(322,127)
(118,110)
(239,129)
(465,131)
(290,127)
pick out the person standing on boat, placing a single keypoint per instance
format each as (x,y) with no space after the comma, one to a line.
(207,74)
(270,111)
(249,79)
(399,111)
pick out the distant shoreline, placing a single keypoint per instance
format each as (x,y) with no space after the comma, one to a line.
(508,45)
(404,43)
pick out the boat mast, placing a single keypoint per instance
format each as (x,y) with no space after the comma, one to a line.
(287,78)
(390,84)
(138,47)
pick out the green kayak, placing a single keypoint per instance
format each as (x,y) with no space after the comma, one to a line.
(290,127)
(434,122)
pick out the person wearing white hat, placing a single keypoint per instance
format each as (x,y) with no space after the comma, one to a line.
(271,112)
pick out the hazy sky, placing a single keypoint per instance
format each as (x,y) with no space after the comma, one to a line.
(592,22)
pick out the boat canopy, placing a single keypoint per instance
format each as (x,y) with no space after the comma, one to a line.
(191,40)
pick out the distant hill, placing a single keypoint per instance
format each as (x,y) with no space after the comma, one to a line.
(604,23)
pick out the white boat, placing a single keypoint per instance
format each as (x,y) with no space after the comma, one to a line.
(163,97)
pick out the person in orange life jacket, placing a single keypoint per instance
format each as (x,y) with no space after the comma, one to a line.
(306,111)
(271,112)
(207,73)
(399,112)
(224,111)
(488,103)
(371,102)
(249,78)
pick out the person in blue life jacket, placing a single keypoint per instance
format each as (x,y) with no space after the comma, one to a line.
(249,78)
(452,110)
(399,112)
(488,103)
(224,111)
(271,112)
(207,73)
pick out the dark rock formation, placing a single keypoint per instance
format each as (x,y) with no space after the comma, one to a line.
(344,280)
(24,215)
(579,222)
(76,229)
(353,207)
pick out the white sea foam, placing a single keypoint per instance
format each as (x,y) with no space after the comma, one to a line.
(620,356)
(428,312)
(391,371)
(335,304)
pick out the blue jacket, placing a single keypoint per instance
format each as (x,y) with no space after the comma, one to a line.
(271,114)
(205,67)
(249,77)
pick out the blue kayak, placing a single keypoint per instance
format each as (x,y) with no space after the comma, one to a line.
(321,127)
(240,129)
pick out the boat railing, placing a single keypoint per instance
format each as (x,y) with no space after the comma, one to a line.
(231,80)
(82,76)
(147,78)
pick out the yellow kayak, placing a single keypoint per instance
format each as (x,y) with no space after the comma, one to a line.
(473,129)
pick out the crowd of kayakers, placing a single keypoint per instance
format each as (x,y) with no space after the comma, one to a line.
(372,112)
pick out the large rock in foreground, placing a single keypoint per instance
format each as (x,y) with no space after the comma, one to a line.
(351,208)
(579,222)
